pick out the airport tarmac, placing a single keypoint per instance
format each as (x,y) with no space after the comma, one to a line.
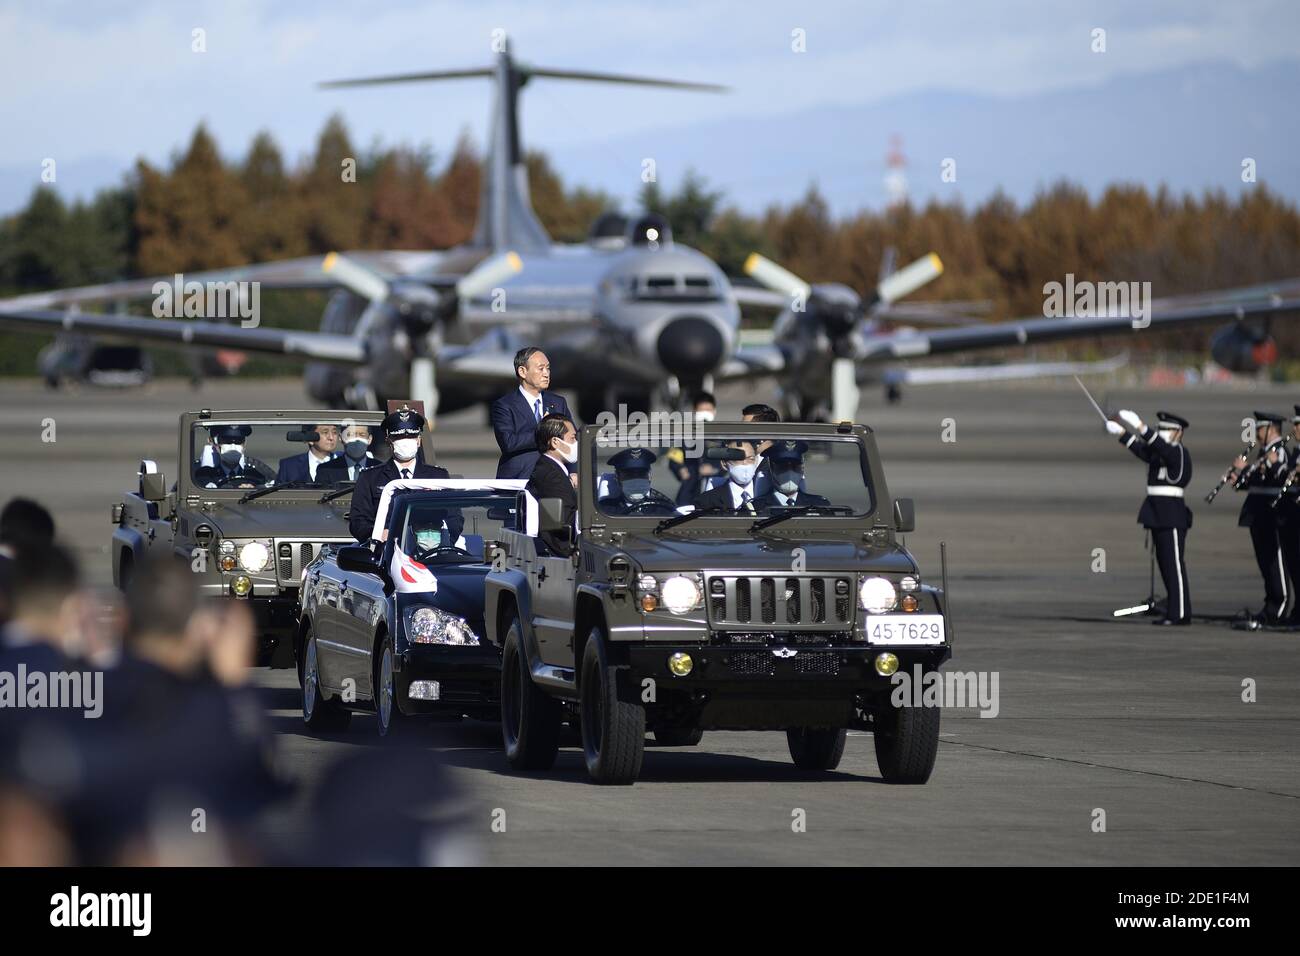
(1094,714)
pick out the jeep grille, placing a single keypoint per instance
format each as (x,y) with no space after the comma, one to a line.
(785,602)
(292,556)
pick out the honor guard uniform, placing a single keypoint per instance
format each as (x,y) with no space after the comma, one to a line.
(402,428)
(1287,509)
(1262,480)
(1164,511)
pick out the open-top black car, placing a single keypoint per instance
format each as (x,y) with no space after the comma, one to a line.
(395,627)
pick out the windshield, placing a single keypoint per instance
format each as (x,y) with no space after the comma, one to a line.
(242,455)
(739,476)
(452,529)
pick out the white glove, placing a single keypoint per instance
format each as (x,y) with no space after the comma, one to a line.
(1114,428)
(1131,420)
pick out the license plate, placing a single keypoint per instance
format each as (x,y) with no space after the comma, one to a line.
(905,629)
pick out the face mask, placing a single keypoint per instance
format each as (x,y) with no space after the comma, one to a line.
(356,449)
(704,416)
(404,449)
(231,455)
(742,474)
(1168,434)
(636,488)
(568,452)
(787,482)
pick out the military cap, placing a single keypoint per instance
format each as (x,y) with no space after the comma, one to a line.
(1266,417)
(787,450)
(1170,420)
(230,434)
(404,423)
(633,459)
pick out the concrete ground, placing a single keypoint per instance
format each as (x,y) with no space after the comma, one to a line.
(1146,724)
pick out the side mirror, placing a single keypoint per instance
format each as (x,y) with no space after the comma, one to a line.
(550,515)
(153,486)
(357,557)
(904,515)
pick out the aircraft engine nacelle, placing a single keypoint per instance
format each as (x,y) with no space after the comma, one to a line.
(1239,348)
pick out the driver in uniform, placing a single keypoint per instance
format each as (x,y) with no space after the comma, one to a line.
(635,496)
(232,468)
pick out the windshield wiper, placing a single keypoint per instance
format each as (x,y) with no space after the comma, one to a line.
(330,496)
(682,519)
(258,492)
(799,511)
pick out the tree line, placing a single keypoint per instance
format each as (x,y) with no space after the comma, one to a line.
(204,211)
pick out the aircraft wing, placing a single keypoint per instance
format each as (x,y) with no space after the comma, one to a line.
(949,374)
(304,273)
(1165,314)
(313,346)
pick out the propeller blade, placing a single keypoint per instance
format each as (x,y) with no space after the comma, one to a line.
(356,278)
(776,277)
(621,78)
(405,78)
(909,278)
(488,275)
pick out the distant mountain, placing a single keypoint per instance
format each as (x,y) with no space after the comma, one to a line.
(1189,128)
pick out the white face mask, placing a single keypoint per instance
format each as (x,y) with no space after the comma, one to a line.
(787,482)
(404,449)
(635,488)
(1168,434)
(704,416)
(742,474)
(568,452)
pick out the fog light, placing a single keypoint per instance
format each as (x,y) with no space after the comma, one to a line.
(227,562)
(909,602)
(886,663)
(424,690)
(649,602)
(680,664)
(241,586)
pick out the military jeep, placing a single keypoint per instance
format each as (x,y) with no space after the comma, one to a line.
(244,534)
(789,611)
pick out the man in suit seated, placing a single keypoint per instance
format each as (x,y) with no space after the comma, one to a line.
(403,428)
(516,415)
(303,467)
(786,461)
(635,496)
(737,493)
(355,459)
(557,449)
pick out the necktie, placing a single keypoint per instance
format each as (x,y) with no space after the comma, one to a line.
(406,473)
(537,409)
(744,500)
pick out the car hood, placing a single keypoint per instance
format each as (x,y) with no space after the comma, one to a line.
(460,592)
(280,519)
(763,553)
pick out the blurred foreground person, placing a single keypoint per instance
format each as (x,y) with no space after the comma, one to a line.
(179,766)
(23,522)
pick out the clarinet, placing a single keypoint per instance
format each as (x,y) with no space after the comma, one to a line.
(1291,477)
(1245,452)
(1259,463)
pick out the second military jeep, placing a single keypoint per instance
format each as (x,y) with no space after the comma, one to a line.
(787,612)
(245,534)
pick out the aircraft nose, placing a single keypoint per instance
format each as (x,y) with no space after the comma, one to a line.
(690,346)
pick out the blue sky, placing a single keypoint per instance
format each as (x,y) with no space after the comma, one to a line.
(94,85)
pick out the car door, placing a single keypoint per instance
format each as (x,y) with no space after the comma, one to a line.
(552,580)
(361,607)
(331,658)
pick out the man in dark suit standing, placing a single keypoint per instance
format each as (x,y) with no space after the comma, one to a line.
(556,442)
(403,428)
(303,467)
(516,415)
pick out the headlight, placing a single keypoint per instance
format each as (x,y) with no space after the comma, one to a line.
(909,583)
(430,625)
(877,595)
(680,594)
(253,556)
